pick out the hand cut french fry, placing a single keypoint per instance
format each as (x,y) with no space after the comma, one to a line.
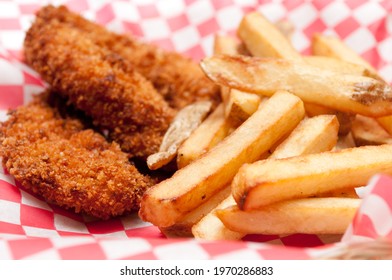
(263,39)
(330,215)
(345,142)
(334,47)
(210,227)
(367,131)
(347,93)
(240,106)
(210,132)
(167,202)
(386,123)
(312,135)
(305,138)
(285,27)
(339,66)
(224,44)
(273,180)
(183,228)
(185,122)
(345,119)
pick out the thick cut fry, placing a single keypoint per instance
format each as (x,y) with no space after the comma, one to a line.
(273,180)
(367,131)
(340,66)
(347,93)
(264,39)
(211,131)
(169,201)
(240,106)
(334,47)
(185,122)
(330,215)
(224,44)
(183,228)
(305,138)
(386,123)
(345,119)
(312,135)
(210,227)
(228,45)
(345,142)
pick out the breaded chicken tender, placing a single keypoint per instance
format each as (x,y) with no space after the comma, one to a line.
(177,78)
(124,103)
(73,167)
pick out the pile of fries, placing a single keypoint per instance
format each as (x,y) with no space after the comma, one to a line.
(286,149)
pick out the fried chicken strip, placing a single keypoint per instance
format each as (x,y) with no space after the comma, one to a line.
(68,165)
(124,103)
(178,79)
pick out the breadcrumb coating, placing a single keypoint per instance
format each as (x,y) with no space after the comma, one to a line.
(177,78)
(124,103)
(73,167)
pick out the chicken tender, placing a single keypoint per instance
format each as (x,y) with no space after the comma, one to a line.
(123,103)
(177,78)
(73,167)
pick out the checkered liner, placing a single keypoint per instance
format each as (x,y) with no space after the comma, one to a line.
(30,228)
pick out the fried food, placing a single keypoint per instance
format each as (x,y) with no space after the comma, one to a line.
(346,93)
(273,180)
(327,215)
(73,167)
(178,79)
(124,103)
(169,201)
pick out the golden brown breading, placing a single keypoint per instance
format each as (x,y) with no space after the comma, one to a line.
(68,165)
(124,103)
(178,79)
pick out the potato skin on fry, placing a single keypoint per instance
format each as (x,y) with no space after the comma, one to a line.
(198,181)
(347,93)
(68,165)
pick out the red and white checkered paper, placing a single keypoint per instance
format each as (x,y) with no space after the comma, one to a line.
(32,229)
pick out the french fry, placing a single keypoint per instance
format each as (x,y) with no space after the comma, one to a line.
(210,227)
(386,123)
(285,27)
(367,131)
(224,44)
(263,39)
(240,106)
(273,180)
(312,135)
(336,65)
(334,47)
(185,122)
(183,228)
(210,132)
(167,202)
(345,142)
(330,215)
(227,45)
(347,93)
(345,119)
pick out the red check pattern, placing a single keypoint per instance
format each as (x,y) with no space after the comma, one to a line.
(33,229)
